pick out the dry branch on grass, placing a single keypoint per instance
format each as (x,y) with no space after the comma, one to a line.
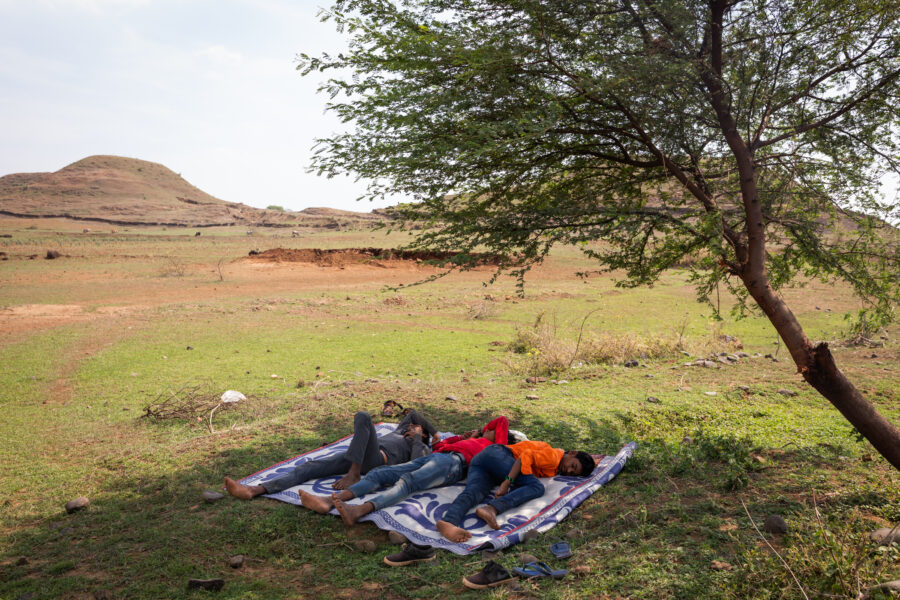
(194,403)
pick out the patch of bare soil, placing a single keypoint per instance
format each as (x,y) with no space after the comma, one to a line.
(379,257)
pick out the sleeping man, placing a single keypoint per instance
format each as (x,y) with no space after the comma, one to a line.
(366,451)
(446,465)
(516,468)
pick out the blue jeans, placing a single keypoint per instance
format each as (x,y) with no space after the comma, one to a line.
(488,469)
(434,470)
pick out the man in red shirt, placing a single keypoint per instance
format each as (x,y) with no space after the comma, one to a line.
(446,465)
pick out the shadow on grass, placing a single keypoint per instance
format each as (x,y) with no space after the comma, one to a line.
(655,529)
(143,535)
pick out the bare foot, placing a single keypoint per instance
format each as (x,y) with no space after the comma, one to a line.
(241,491)
(319,504)
(344,495)
(352,514)
(452,532)
(346,481)
(488,514)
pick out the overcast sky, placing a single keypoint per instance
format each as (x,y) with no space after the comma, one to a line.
(207,88)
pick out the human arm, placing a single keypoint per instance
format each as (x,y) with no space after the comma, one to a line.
(416,418)
(417,446)
(513,473)
(497,431)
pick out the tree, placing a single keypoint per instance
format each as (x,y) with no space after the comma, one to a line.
(750,134)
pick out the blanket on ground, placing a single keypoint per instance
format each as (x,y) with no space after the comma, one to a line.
(415,517)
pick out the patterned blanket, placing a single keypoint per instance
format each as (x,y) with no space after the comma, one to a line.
(415,517)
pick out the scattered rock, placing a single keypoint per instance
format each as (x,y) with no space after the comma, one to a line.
(718,565)
(77,504)
(489,554)
(532,397)
(526,558)
(581,571)
(744,388)
(452,398)
(775,524)
(212,496)
(566,382)
(708,364)
(51,254)
(236,562)
(886,536)
(724,360)
(788,393)
(743,355)
(653,399)
(396,537)
(631,363)
(479,395)
(190,347)
(367,546)
(535,379)
(530,535)
(711,393)
(206,584)
(573,534)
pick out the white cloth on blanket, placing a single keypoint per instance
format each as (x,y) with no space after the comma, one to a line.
(415,517)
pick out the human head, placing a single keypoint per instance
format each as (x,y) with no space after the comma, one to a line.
(576,463)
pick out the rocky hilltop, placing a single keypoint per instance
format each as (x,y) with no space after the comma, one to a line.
(129,191)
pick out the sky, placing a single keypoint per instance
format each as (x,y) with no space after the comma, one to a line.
(207,88)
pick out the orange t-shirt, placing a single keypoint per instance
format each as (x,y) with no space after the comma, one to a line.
(538,458)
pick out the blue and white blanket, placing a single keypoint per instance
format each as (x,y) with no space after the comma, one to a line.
(415,517)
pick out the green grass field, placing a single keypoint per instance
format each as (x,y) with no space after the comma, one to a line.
(312,346)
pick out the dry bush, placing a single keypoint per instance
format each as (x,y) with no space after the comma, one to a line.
(483,310)
(548,352)
(173,267)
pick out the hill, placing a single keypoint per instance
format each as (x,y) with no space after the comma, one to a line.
(129,191)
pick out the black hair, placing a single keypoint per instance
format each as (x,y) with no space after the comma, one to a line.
(512,438)
(587,463)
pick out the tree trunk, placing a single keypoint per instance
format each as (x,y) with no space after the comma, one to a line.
(818,368)
(824,375)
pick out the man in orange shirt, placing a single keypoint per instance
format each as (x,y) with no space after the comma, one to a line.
(516,468)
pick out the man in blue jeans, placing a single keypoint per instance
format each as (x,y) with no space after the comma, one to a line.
(446,465)
(516,468)
(366,452)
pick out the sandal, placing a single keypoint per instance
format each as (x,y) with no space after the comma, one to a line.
(391,407)
(561,549)
(539,570)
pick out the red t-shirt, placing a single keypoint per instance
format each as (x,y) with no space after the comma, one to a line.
(472,446)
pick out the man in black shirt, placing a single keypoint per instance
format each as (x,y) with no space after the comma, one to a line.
(366,451)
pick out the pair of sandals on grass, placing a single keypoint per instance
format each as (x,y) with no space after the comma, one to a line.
(494,574)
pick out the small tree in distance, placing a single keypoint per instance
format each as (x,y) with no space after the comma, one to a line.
(749,134)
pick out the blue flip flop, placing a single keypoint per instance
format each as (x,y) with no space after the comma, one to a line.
(561,549)
(539,570)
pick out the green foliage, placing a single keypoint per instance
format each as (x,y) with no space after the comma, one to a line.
(275,207)
(518,125)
